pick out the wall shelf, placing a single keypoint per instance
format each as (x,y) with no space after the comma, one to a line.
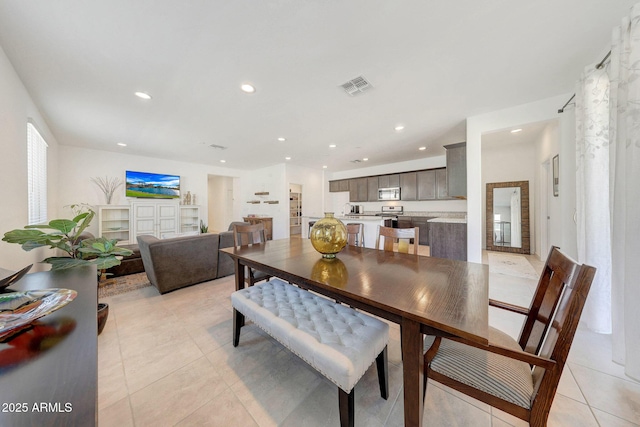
(271,202)
(262,193)
(254,202)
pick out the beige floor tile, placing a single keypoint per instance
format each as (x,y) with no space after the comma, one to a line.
(274,390)
(222,411)
(569,387)
(608,393)
(253,351)
(112,385)
(147,367)
(320,409)
(567,412)
(116,415)
(177,395)
(475,402)
(609,420)
(443,409)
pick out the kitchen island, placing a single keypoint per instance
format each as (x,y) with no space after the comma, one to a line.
(370,223)
(448,238)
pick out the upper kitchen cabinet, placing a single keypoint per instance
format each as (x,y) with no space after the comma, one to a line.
(339,185)
(441,184)
(389,181)
(457,169)
(408,186)
(426,185)
(372,184)
(358,190)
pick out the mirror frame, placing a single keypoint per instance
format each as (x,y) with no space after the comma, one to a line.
(524,207)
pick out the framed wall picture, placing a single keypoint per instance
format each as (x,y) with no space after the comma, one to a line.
(556,167)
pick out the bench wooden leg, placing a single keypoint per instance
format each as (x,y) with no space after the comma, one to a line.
(238,322)
(383,373)
(347,407)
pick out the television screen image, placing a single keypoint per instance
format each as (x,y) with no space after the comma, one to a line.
(152,185)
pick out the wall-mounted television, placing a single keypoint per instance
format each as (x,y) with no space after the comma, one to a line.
(152,185)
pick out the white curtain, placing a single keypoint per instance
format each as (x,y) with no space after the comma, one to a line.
(516,220)
(592,193)
(624,74)
(608,191)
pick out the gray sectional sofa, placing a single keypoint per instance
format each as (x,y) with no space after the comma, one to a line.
(174,263)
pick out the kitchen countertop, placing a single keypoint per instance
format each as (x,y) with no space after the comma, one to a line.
(450,220)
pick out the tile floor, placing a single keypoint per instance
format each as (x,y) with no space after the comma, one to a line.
(167,360)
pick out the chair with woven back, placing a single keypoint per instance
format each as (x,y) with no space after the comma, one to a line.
(355,234)
(245,235)
(398,238)
(519,377)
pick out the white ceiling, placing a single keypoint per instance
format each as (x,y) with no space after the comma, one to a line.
(432,64)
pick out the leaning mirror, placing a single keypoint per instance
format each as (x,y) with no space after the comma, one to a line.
(507,226)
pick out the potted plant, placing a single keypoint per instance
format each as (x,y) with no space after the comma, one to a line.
(80,249)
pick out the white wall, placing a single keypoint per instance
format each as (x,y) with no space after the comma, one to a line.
(78,165)
(16,107)
(334,202)
(538,111)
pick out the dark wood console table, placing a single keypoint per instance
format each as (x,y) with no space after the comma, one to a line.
(57,385)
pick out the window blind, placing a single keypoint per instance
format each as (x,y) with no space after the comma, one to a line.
(37,175)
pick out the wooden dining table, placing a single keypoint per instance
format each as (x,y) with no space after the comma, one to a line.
(424,295)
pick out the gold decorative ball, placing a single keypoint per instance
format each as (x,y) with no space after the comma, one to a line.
(328,235)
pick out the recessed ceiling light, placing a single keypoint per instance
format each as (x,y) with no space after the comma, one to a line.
(399,128)
(324,166)
(516,130)
(246,87)
(143,95)
(332,146)
(365,159)
(287,158)
(422,148)
(122,144)
(281,139)
(223,161)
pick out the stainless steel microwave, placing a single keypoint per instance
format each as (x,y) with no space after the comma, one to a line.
(392,193)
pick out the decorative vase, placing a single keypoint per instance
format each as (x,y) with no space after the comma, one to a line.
(328,236)
(103,313)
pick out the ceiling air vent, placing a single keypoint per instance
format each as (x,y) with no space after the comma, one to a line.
(218,147)
(357,85)
(355,161)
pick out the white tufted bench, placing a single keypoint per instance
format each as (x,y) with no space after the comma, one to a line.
(336,340)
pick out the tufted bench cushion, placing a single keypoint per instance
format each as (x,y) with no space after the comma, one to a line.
(338,341)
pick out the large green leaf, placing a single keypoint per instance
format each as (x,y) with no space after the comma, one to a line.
(63,263)
(85,222)
(102,263)
(64,225)
(23,236)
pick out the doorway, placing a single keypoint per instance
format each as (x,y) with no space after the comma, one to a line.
(220,202)
(295,210)
(544,217)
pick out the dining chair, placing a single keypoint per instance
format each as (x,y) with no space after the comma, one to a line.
(245,235)
(519,377)
(399,236)
(355,234)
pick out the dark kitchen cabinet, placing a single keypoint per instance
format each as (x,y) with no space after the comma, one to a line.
(426,181)
(448,240)
(441,184)
(358,190)
(457,170)
(405,222)
(389,181)
(339,185)
(408,186)
(372,184)
(423,225)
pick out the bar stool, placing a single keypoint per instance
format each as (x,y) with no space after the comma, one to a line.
(310,226)
(355,234)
